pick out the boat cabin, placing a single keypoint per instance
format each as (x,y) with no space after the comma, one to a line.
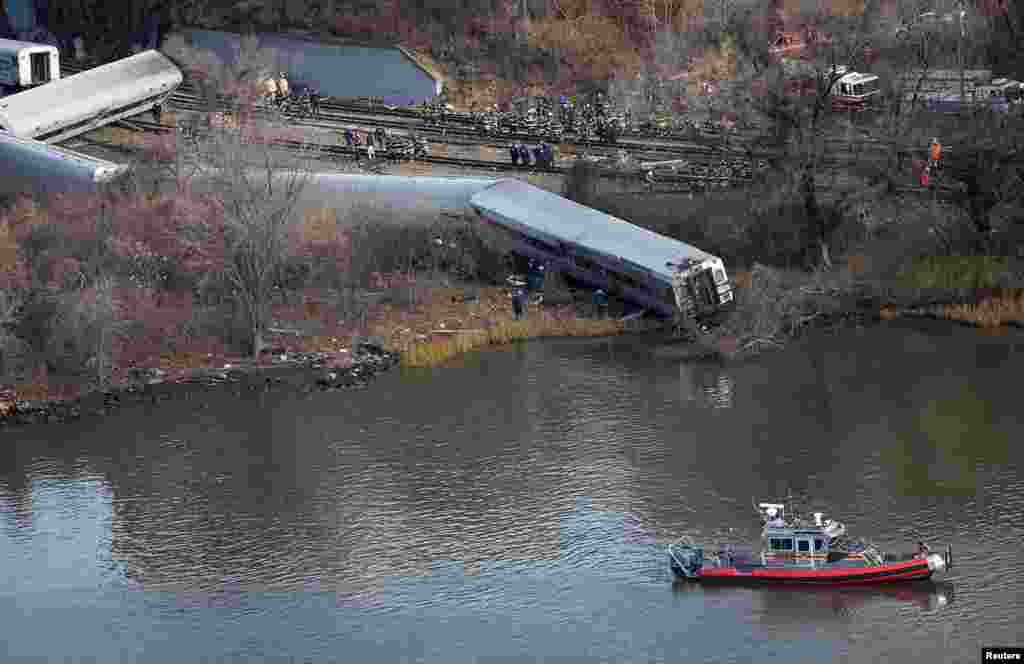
(797,538)
(789,541)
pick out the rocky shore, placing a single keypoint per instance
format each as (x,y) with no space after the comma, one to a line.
(308,372)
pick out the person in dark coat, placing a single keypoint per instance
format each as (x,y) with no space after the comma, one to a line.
(348,137)
(518,303)
(314,102)
(513,151)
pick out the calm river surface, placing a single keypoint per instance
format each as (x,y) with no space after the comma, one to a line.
(514,506)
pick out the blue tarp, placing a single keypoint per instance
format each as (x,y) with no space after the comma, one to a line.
(337,71)
(21,14)
(952,105)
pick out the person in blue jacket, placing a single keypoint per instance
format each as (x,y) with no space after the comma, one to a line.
(601,302)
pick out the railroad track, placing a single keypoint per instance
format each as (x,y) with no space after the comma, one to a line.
(708,145)
(345,153)
(702,157)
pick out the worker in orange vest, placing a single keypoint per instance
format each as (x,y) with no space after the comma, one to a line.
(936,152)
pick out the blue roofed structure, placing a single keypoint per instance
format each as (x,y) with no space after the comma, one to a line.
(341,71)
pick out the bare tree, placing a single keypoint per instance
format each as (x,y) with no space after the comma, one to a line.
(259,182)
(795,101)
(987,171)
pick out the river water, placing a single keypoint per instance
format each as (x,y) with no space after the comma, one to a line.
(514,505)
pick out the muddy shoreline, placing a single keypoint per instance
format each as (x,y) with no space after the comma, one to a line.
(310,374)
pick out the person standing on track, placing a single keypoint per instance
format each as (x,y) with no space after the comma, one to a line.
(282,88)
(270,86)
(370,152)
(935,153)
(513,152)
(314,102)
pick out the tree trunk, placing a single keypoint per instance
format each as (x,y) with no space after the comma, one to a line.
(257,342)
(815,222)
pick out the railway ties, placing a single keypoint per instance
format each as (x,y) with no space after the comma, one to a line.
(343,152)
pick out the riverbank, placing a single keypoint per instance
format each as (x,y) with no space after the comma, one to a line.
(305,373)
(774,307)
(442,323)
(313,347)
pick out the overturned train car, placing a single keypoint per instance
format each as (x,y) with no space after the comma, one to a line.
(664,275)
(32,167)
(93,98)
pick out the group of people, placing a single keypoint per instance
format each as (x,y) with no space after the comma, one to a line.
(277,91)
(379,139)
(539,155)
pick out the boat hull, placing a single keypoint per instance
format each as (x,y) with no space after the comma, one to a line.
(825,575)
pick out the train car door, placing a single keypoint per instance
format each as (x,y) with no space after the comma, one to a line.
(706,293)
(40,68)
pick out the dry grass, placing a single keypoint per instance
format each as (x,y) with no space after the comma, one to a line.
(1006,308)
(32,392)
(857,264)
(539,325)
(440,328)
(743,279)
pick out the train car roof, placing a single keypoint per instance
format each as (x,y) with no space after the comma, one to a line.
(537,212)
(15,45)
(400,194)
(30,166)
(63,101)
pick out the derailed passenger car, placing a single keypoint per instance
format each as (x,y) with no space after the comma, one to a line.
(642,267)
(32,167)
(90,99)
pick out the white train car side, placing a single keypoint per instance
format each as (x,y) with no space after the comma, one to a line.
(33,167)
(24,64)
(91,99)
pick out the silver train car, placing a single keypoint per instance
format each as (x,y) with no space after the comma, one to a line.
(32,167)
(25,65)
(93,98)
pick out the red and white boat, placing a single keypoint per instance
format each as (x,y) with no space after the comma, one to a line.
(799,552)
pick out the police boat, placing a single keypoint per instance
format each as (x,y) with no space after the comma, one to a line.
(797,551)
